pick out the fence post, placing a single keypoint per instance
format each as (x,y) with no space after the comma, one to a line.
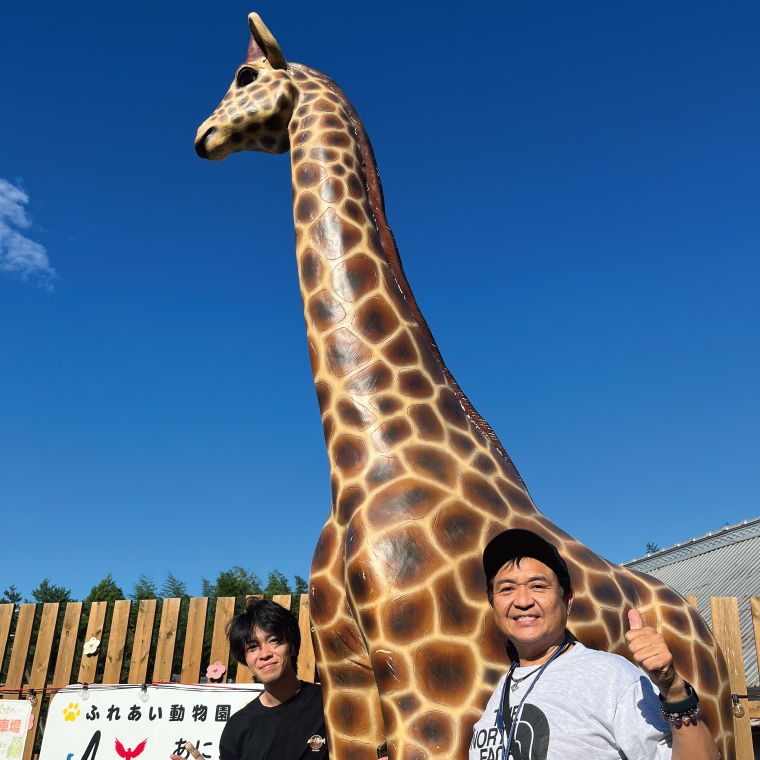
(754,707)
(38,677)
(146,617)
(88,666)
(167,637)
(307,662)
(116,639)
(196,629)
(20,648)
(725,619)
(220,644)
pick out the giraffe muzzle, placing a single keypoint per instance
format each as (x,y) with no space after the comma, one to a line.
(200,143)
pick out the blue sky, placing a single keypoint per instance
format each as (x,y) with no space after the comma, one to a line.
(574,190)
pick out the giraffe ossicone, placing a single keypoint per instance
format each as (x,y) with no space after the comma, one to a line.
(406,648)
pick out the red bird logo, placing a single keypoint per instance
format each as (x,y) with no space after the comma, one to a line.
(128,754)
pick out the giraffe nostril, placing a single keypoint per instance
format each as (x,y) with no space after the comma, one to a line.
(200,144)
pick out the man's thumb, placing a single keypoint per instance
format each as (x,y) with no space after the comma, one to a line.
(634,619)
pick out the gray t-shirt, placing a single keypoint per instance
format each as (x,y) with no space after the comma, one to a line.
(587,705)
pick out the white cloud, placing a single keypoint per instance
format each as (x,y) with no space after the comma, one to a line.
(19,255)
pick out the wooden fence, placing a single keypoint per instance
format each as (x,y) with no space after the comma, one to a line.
(132,651)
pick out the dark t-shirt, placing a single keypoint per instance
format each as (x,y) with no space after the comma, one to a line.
(294,730)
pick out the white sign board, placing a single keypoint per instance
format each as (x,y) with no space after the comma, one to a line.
(115,722)
(14,723)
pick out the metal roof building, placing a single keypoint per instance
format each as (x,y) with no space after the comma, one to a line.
(723,563)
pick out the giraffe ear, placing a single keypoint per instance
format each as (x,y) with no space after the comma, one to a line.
(266,42)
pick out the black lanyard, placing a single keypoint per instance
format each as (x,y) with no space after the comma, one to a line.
(566,644)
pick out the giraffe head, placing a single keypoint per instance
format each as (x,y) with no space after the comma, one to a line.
(256,110)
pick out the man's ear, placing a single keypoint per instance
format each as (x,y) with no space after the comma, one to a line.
(266,42)
(569,599)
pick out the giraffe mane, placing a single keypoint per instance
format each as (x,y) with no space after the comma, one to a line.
(388,242)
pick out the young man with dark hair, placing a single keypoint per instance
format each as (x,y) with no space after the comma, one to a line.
(561,701)
(287,721)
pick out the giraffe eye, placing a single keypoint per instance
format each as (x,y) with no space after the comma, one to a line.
(245,77)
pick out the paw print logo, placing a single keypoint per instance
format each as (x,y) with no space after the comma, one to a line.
(71,712)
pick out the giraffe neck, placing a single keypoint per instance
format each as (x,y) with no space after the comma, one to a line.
(342,234)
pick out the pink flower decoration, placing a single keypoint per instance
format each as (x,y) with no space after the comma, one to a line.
(215,672)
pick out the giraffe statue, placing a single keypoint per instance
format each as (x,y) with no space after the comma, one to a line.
(406,648)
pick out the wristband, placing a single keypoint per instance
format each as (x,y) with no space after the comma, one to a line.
(684,711)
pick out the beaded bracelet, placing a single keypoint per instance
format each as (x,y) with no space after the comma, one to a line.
(684,711)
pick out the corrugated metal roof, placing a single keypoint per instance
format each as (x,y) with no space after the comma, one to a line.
(726,563)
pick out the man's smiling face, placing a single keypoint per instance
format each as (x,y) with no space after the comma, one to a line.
(267,656)
(529,605)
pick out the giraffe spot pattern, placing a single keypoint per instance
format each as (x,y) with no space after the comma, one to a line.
(408,617)
(325,311)
(426,422)
(413,383)
(457,528)
(376,377)
(349,713)
(400,350)
(350,453)
(383,470)
(312,269)
(434,730)
(331,191)
(333,236)
(455,615)
(386,404)
(406,500)
(406,556)
(391,433)
(432,463)
(375,320)
(445,672)
(345,352)
(354,277)
(348,502)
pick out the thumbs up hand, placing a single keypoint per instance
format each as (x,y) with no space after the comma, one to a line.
(651,654)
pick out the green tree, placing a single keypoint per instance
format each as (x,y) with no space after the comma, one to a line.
(300,587)
(47,592)
(651,548)
(11,596)
(145,588)
(105,591)
(237,582)
(173,588)
(277,583)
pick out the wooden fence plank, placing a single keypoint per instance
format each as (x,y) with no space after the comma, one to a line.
(306,659)
(146,616)
(167,638)
(220,644)
(68,644)
(283,600)
(20,649)
(6,618)
(196,629)
(116,640)
(692,600)
(725,619)
(243,675)
(755,605)
(88,666)
(38,677)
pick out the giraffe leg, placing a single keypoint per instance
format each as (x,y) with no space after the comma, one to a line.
(352,709)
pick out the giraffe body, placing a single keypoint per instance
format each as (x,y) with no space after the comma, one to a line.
(406,647)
